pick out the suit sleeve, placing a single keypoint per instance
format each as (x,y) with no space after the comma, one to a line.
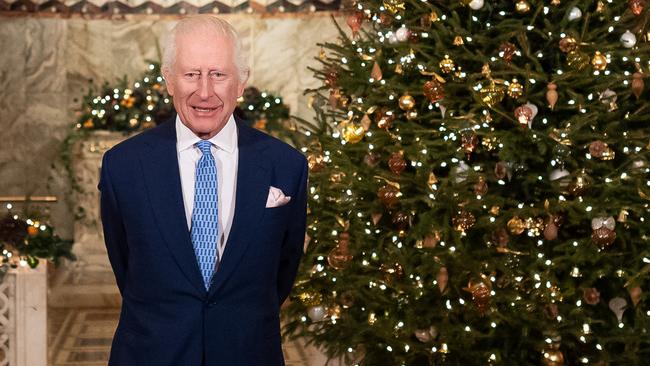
(114,232)
(292,247)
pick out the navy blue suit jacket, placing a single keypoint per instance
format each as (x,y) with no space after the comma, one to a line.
(167,317)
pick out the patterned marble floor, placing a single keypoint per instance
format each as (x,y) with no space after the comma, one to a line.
(82,337)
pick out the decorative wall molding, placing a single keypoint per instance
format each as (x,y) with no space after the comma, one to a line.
(113,9)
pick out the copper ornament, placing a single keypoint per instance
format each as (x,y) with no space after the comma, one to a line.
(636,6)
(371,159)
(354,21)
(501,237)
(603,237)
(376,72)
(315,162)
(481,187)
(481,294)
(568,44)
(637,84)
(388,195)
(635,294)
(551,230)
(433,90)
(406,102)
(601,150)
(396,163)
(551,95)
(331,77)
(401,220)
(507,50)
(523,114)
(339,257)
(469,141)
(553,357)
(384,118)
(501,169)
(442,278)
(463,221)
(591,295)
(522,6)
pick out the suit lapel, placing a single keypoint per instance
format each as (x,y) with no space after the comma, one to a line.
(253,180)
(162,177)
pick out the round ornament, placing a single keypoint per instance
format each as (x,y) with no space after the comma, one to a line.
(406,102)
(401,220)
(577,60)
(433,90)
(601,150)
(396,163)
(463,221)
(599,61)
(388,195)
(501,237)
(352,133)
(575,13)
(553,357)
(412,114)
(480,291)
(476,4)
(317,313)
(423,335)
(402,34)
(591,295)
(568,44)
(628,39)
(524,114)
(371,159)
(515,90)
(551,230)
(32,230)
(501,169)
(580,184)
(384,118)
(469,142)
(522,6)
(507,51)
(481,187)
(603,233)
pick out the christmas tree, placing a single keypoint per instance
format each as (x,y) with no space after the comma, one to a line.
(479,186)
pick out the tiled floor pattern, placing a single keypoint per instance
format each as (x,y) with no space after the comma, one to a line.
(82,337)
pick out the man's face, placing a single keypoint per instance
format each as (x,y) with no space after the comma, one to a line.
(204,81)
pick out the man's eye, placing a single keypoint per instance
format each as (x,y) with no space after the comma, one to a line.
(192,75)
(217,75)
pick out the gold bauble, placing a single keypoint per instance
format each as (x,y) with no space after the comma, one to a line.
(352,133)
(516,225)
(599,61)
(406,102)
(310,298)
(577,60)
(458,41)
(394,6)
(515,90)
(492,94)
(553,357)
(412,114)
(447,65)
(568,44)
(522,6)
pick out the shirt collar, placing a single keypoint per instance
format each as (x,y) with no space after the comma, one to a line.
(226,139)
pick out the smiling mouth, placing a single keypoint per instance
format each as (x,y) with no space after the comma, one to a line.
(202,109)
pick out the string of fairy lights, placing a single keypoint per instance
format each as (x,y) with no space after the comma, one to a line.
(351,116)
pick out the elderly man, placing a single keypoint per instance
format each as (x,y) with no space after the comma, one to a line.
(204,218)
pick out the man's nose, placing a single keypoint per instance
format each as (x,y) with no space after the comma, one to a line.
(204,87)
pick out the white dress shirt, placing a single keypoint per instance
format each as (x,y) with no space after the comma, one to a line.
(225,152)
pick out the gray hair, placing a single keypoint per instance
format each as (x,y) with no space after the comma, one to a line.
(205,22)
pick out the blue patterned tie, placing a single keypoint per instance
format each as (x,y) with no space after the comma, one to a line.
(204,215)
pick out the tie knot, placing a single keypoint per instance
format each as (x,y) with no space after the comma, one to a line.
(204,146)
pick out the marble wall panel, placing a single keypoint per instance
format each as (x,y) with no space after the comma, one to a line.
(47,64)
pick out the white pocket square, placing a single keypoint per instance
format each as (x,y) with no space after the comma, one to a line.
(276,198)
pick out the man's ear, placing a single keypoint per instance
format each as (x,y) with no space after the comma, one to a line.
(167,76)
(242,83)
